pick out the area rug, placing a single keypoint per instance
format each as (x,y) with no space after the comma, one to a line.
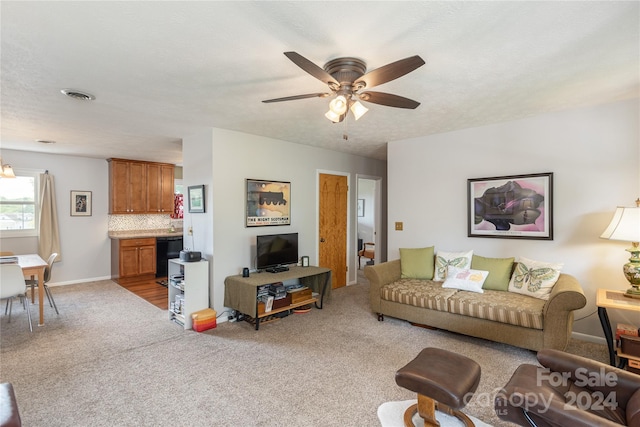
(391,414)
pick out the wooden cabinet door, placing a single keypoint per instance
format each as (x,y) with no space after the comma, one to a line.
(129,261)
(167,191)
(154,195)
(137,187)
(118,187)
(147,259)
(160,187)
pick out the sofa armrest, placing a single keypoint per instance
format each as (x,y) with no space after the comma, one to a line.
(380,275)
(566,295)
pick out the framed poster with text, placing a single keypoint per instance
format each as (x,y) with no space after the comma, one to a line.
(268,203)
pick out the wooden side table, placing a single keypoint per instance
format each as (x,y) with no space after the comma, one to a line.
(607,298)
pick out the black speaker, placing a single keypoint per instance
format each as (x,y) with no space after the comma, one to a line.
(245,272)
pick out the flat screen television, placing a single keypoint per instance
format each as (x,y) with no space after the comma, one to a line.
(274,250)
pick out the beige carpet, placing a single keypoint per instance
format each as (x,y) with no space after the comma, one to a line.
(112,359)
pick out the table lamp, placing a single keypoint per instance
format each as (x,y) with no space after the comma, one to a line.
(625,226)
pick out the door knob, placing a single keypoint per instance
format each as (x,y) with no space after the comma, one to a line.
(322,240)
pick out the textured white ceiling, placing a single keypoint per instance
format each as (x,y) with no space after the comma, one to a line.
(161,71)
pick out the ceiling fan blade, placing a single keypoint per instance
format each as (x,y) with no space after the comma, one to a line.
(390,72)
(294,97)
(311,68)
(388,99)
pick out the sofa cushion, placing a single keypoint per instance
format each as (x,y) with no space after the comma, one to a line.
(503,307)
(446,259)
(534,278)
(465,279)
(499,271)
(419,293)
(416,263)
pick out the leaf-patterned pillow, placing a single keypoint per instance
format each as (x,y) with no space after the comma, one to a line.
(534,278)
(453,259)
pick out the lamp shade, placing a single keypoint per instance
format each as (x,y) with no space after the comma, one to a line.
(358,109)
(624,226)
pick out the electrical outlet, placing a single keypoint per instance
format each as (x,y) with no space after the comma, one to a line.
(399,226)
(190,231)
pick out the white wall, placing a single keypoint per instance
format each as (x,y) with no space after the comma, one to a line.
(85,245)
(594,154)
(238,156)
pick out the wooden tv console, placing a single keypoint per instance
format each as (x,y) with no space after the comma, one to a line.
(240,293)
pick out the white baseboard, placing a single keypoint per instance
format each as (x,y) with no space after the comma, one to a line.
(588,338)
(73,282)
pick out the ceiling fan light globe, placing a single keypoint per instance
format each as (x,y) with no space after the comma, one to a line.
(338,105)
(335,118)
(358,109)
(7,171)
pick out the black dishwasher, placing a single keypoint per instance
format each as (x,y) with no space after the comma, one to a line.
(166,248)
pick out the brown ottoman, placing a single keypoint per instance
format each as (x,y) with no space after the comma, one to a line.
(444,381)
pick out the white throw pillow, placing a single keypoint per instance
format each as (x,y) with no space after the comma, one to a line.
(465,279)
(534,278)
(454,259)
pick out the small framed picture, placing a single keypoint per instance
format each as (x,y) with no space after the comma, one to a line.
(196,199)
(360,207)
(80,203)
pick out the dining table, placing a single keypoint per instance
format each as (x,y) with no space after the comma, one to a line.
(33,266)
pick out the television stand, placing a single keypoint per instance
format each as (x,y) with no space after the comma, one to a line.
(241,293)
(278,269)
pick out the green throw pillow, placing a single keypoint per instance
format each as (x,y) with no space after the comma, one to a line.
(499,271)
(416,263)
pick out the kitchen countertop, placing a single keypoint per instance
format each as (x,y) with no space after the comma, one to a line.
(134,234)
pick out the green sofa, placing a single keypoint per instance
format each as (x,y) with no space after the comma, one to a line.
(506,317)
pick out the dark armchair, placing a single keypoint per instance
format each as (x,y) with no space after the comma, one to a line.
(570,390)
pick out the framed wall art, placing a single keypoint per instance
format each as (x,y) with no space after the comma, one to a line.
(196,198)
(518,206)
(360,207)
(80,203)
(268,203)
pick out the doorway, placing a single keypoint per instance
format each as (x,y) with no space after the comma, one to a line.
(368,221)
(332,226)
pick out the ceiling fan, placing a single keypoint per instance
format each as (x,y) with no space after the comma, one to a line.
(347,79)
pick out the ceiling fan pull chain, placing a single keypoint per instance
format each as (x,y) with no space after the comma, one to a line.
(344,135)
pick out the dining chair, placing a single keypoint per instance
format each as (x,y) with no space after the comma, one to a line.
(32,283)
(12,285)
(368,251)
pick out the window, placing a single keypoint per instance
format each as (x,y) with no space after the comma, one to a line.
(19,205)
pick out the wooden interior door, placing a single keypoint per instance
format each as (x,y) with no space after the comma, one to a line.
(333,227)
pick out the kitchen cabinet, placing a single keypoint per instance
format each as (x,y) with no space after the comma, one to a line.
(127,187)
(160,188)
(133,259)
(137,187)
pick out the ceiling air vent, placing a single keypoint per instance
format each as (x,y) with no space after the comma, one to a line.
(76,94)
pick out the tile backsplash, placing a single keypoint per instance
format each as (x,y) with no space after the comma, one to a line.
(142,222)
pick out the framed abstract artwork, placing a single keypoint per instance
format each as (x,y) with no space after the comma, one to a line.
(513,207)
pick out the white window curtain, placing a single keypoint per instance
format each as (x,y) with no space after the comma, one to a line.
(49,240)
